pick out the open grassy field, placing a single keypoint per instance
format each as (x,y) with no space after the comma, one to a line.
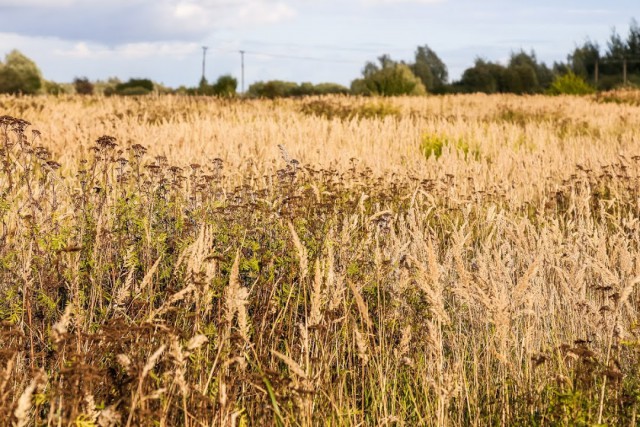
(459,260)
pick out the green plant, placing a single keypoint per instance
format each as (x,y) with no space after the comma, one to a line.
(570,84)
(134,87)
(19,74)
(390,80)
(433,145)
(225,86)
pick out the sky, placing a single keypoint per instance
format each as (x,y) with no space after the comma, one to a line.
(295,40)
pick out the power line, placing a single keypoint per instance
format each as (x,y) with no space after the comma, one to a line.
(293,57)
(373,49)
(303,58)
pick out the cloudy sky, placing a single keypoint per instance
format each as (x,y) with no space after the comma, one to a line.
(297,40)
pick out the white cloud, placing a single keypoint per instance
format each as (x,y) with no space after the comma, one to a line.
(126,21)
(187,10)
(207,15)
(267,12)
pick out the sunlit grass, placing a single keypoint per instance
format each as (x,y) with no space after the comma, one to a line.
(466,260)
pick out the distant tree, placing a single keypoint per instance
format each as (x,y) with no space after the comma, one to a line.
(533,76)
(610,63)
(310,89)
(279,89)
(430,69)
(19,74)
(83,86)
(304,89)
(583,60)
(370,68)
(616,47)
(134,87)
(225,86)
(560,68)
(423,72)
(633,46)
(271,89)
(545,75)
(330,89)
(204,88)
(522,75)
(388,79)
(484,76)
(519,79)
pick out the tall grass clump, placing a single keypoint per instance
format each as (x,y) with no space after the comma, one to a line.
(246,263)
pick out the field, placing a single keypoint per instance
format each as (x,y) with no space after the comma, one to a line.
(439,261)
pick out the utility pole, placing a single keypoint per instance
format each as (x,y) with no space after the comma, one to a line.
(624,71)
(596,74)
(242,68)
(204,56)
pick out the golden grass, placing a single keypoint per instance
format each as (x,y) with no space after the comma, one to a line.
(459,260)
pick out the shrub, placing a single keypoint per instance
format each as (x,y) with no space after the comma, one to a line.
(134,87)
(282,89)
(83,86)
(392,80)
(53,88)
(570,84)
(329,89)
(272,89)
(133,91)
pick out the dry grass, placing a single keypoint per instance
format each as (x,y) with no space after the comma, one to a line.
(467,260)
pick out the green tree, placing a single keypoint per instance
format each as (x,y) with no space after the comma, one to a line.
(272,89)
(278,89)
(19,74)
(329,89)
(389,79)
(225,86)
(583,60)
(523,75)
(616,47)
(134,87)
(430,69)
(204,88)
(533,76)
(519,79)
(484,76)
(633,46)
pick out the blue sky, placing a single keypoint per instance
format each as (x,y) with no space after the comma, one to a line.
(297,40)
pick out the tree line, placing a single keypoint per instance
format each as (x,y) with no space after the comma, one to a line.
(588,68)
